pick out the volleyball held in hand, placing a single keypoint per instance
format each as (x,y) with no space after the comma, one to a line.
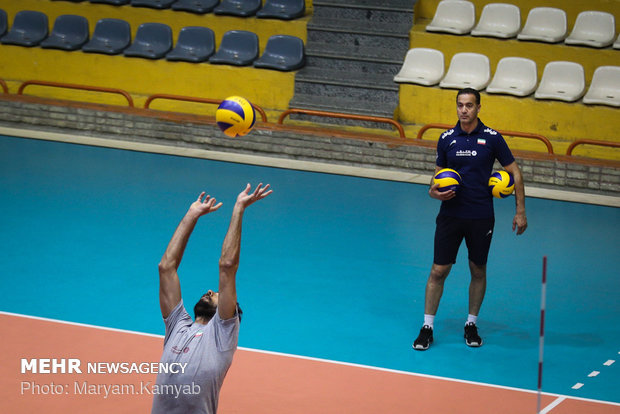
(501,184)
(448,179)
(235,116)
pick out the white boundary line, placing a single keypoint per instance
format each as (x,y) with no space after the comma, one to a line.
(559,397)
(551,406)
(311,166)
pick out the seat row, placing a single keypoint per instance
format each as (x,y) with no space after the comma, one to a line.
(544,24)
(274,9)
(516,76)
(153,41)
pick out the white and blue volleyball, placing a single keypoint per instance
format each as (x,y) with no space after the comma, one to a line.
(448,179)
(501,184)
(235,116)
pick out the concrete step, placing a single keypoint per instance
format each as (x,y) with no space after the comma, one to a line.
(399,30)
(364,14)
(356,53)
(353,66)
(336,90)
(337,77)
(392,5)
(341,104)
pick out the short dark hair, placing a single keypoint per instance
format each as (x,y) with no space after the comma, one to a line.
(469,91)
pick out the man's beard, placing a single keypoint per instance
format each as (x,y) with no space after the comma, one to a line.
(204,309)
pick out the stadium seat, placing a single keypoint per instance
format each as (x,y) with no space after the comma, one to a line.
(283,53)
(514,76)
(111,37)
(563,81)
(593,28)
(544,24)
(29,29)
(154,4)
(467,70)
(453,16)
(3,22)
(617,43)
(113,2)
(240,8)
(70,32)
(423,66)
(195,6)
(195,44)
(605,87)
(238,47)
(498,20)
(152,41)
(282,9)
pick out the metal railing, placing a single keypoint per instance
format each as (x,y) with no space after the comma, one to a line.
(23,86)
(366,118)
(261,111)
(571,147)
(507,133)
(151,98)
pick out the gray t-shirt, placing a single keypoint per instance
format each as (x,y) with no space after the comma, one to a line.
(208,351)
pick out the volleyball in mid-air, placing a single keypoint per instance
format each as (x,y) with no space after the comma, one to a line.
(501,184)
(235,116)
(448,179)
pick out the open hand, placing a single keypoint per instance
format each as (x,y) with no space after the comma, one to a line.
(202,207)
(245,198)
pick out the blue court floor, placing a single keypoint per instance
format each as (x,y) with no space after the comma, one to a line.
(332,266)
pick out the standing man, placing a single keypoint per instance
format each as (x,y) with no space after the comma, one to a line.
(206,345)
(471,149)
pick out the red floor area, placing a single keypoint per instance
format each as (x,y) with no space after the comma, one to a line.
(257,382)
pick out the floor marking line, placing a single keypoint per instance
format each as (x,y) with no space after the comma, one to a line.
(388,370)
(551,406)
(577,386)
(609,362)
(593,373)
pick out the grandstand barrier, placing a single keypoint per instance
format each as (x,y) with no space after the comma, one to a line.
(367,118)
(5,88)
(571,147)
(151,98)
(506,133)
(23,86)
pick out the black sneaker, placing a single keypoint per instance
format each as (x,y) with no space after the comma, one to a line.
(424,339)
(471,335)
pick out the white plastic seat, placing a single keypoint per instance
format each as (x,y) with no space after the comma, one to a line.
(453,16)
(617,43)
(467,70)
(422,66)
(498,20)
(593,28)
(544,24)
(605,87)
(564,81)
(514,76)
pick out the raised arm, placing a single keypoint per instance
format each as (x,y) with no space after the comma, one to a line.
(231,248)
(519,222)
(169,285)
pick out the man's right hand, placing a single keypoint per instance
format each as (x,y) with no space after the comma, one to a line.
(441,195)
(201,207)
